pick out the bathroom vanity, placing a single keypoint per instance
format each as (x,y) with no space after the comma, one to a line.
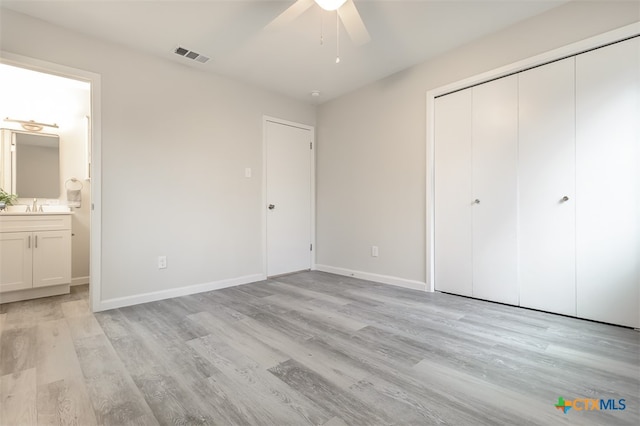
(35,255)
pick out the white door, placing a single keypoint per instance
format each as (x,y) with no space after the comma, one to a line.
(15,260)
(546,161)
(495,180)
(51,263)
(453,240)
(608,183)
(289,197)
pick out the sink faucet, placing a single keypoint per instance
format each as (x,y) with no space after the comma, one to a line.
(34,208)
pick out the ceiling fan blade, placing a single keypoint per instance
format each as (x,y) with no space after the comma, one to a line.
(291,13)
(353,23)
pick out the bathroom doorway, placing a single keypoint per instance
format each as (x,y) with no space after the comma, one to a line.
(67,100)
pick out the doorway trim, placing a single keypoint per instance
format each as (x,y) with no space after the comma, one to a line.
(95,232)
(263,204)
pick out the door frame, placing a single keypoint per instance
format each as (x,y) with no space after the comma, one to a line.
(572,49)
(263,205)
(95,232)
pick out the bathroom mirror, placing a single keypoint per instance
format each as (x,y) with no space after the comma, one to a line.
(35,165)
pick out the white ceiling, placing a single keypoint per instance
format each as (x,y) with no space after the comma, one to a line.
(290,60)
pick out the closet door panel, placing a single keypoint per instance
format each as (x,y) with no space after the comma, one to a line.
(494,177)
(453,267)
(546,162)
(608,183)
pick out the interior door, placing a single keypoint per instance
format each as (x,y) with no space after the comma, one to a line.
(495,190)
(289,197)
(453,238)
(547,188)
(608,183)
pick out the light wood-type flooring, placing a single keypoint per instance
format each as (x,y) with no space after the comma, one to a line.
(309,348)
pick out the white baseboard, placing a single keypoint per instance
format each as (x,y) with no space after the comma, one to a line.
(384,279)
(79,281)
(34,293)
(176,292)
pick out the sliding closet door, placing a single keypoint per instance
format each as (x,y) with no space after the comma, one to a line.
(495,180)
(546,208)
(608,183)
(453,267)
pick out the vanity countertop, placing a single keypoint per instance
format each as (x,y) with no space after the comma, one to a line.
(5,213)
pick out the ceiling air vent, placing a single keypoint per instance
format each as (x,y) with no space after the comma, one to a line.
(191,55)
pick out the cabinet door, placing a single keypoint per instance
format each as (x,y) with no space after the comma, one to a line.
(494,177)
(15,260)
(608,183)
(453,267)
(546,163)
(51,258)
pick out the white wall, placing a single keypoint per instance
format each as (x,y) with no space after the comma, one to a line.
(30,95)
(371,143)
(175,144)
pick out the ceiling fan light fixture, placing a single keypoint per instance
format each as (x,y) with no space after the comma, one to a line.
(330,4)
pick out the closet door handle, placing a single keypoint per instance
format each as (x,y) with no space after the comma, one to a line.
(476,201)
(36,241)
(563,199)
(29,242)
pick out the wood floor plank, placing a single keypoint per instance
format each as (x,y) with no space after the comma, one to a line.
(75,308)
(29,312)
(62,394)
(285,405)
(302,293)
(165,344)
(113,323)
(114,396)
(335,421)
(170,402)
(237,338)
(257,289)
(325,315)
(588,360)
(18,398)
(326,395)
(3,320)
(83,326)
(55,354)
(18,350)
(312,358)
(174,383)
(488,399)
(172,376)
(65,402)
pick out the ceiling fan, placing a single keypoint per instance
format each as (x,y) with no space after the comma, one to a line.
(347,12)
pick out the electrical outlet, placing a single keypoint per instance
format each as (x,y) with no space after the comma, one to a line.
(162,262)
(374,251)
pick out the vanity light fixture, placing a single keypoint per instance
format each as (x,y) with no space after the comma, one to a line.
(32,126)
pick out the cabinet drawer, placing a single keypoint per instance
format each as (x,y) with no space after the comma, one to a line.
(34,222)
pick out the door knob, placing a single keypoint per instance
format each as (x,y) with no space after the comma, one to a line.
(565,198)
(272,206)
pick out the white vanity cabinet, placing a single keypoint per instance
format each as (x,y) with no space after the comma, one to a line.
(35,255)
